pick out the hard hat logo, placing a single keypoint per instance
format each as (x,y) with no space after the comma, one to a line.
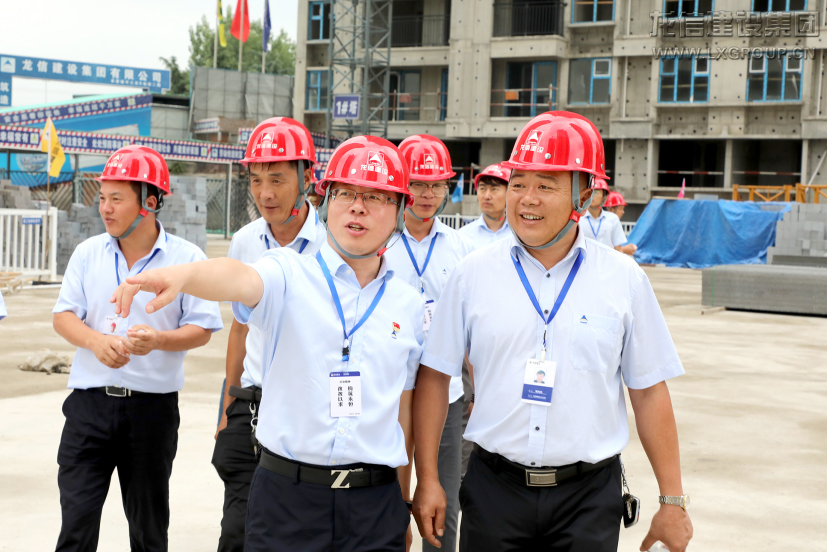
(265,141)
(114,160)
(376,163)
(429,159)
(532,142)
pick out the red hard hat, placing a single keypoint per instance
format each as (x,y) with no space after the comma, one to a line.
(600,184)
(427,158)
(367,161)
(138,164)
(559,141)
(615,199)
(279,139)
(495,171)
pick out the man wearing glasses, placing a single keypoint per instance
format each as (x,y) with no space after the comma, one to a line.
(425,259)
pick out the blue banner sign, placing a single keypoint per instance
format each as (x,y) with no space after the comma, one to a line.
(156,80)
(346,106)
(5,90)
(31,220)
(39,115)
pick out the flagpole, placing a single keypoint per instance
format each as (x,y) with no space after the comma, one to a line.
(241,34)
(215,38)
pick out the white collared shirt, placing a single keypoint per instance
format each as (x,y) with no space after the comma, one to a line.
(605,229)
(480,235)
(608,332)
(92,276)
(449,249)
(3,312)
(303,339)
(248,245)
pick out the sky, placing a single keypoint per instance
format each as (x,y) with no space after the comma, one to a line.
(119,32)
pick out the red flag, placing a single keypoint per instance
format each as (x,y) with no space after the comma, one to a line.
(681,192)
(234,28)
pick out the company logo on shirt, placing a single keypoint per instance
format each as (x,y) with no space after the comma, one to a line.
(583,319)
(376,163)
(394,329)
(444,272)
(532,142)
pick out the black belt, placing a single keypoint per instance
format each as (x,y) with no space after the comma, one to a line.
(538,477)
(115,391)
(354,475)
(252,394)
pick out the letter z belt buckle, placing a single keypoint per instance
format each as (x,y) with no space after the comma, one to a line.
(545,478)
(341,476)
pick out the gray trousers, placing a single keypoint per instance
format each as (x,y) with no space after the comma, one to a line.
(448,465)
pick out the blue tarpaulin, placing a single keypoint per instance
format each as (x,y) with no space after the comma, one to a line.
(698,234)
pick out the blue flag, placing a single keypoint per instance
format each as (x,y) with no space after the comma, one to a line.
(457,195)
(266,27)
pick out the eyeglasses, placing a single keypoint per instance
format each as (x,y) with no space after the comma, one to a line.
(370,199)
(419,188)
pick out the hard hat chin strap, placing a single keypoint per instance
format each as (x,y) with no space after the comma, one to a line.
(496,219)
(574,217)
(323,216)
(434,216)
(304,188)
(145,210)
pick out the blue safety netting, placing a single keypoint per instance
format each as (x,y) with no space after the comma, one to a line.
(698,234)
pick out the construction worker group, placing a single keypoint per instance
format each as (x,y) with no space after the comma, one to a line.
(367,332)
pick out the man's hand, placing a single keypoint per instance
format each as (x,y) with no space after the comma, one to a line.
(110,351)
(430,510)
(671,525)
(222,422)
(163,282)
(628,249)
(141,339)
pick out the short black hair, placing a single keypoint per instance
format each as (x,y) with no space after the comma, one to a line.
(492,181)
(152,191)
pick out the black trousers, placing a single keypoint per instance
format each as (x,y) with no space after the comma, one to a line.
(582,514)
(137,435)
(235,462)
(285,514)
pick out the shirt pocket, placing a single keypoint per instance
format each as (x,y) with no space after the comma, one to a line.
(593,342)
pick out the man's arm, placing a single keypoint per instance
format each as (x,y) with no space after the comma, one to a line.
(404,472)
(657,430)
(109,349)
(234,365)
(142,339)
(627,249)
(431,398)
(214,280)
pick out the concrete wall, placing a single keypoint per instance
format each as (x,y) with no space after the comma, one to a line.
(170,121)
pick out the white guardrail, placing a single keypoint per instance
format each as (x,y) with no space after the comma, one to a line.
(627,227)
(24,247)
(457,221)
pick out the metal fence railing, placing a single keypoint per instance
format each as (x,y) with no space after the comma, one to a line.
(419,30)
(457,221)
(528,18)
(242,205)
(523,102)
(28,242)
(417,106)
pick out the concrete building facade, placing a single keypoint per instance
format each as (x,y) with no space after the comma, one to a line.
(737,94)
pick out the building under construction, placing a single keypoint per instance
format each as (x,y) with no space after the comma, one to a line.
(709,92)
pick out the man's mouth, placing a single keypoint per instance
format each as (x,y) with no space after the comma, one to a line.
(531,217)
(356,229)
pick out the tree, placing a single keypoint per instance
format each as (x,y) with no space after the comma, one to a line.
(179,80)
(281,55)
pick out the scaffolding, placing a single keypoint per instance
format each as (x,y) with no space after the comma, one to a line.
(359,55)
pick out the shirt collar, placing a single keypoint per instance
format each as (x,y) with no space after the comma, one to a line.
(337,265)
(438,226)
(516,249)
(307,232)
(589,214)
(160,242)
(482,222)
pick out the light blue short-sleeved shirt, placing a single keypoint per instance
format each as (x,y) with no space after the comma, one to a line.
(3,312)
(90,280)
(303,341)
(248,245)
(449,249)
(606,229)
(608,331)
(481,235)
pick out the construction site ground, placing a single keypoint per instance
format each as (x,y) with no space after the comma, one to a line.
(751,413)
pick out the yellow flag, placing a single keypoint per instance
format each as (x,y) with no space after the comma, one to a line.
(222,40)
(50,144)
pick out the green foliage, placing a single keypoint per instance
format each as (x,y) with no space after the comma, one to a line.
(179,80)
(177,167)
(281,55)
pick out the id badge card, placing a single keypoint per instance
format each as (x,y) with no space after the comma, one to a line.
(538,379)
(346,394)
(113,325)
(429,314)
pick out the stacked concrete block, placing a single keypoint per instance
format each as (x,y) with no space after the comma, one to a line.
(14,197)
(185,212)
(801,236)
(74,227)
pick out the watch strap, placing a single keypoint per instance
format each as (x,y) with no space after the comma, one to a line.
(680,501)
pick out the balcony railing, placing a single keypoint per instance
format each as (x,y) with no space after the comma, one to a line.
(522,102)
(419,30)
(417,106)
(529,18)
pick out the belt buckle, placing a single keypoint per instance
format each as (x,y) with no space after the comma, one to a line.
(541,478)
(341,476)
(115,391)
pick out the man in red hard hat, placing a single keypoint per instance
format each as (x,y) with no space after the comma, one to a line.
(604,226)
(280,156)
(123,410)
(491,186)
(545,473)
(342,344)
(615,204)
(425,258)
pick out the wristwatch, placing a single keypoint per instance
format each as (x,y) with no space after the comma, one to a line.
(410,505)
(681,501)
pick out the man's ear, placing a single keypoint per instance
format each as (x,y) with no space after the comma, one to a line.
(308,176)
(152,202)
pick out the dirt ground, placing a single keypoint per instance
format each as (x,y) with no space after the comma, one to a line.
(751,413)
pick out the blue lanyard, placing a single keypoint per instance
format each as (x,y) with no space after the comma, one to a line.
(600,221)
(346,347)
(118,276)
(304,245)
(561,296)
(414,261)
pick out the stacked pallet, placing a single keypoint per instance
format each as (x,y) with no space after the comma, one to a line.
(801,236)
(185,212)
